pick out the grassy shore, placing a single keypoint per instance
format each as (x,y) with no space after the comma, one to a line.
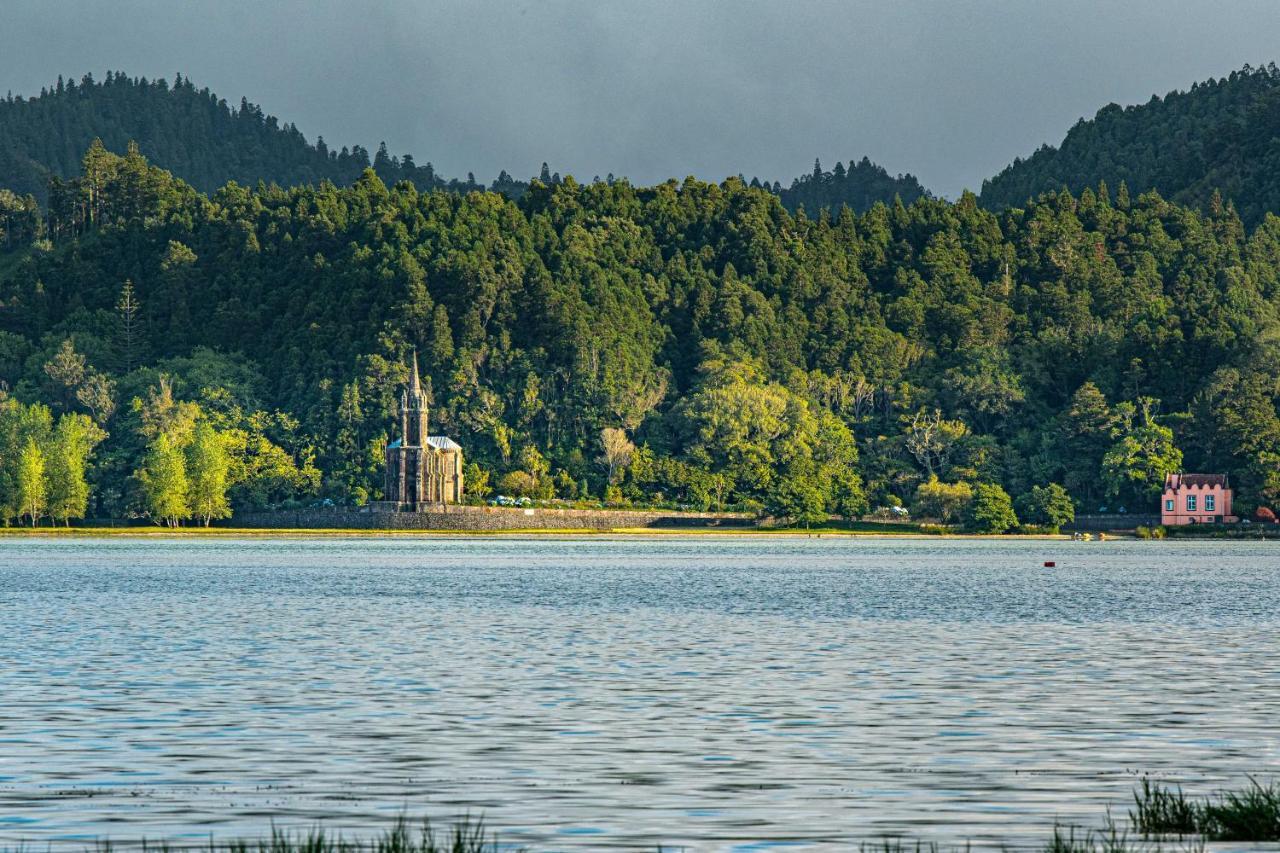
(870,531)
(1162,819)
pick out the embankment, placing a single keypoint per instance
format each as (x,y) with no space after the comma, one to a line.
(485,519)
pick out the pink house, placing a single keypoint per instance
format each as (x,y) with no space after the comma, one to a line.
(1196,499)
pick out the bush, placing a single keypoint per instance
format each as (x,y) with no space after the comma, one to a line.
(1047,506)
(1265,515)
(1036,530)
(942,501)
(519,484)
(1157,532)
(991,510)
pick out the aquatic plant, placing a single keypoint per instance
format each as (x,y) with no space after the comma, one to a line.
(1252,814)
(466,835)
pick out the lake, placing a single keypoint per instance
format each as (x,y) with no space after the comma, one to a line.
(721,693)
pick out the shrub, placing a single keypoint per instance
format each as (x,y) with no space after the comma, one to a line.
(519,484)
(944,501)
(1036,529)
(1265,515)
(991,510)
(1048,506)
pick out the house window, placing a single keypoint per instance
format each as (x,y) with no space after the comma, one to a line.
(1191,503)
(1209,503)
(1168,505)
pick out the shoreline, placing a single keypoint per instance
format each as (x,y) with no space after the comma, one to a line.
(531,533)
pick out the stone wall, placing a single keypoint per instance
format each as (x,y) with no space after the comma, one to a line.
(482,519)
(1096,523)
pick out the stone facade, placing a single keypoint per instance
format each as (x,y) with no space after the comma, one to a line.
(422,470)
(485,519)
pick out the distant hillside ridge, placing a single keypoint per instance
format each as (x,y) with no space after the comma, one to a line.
(207,142)
(860,185)
(190,132)
(1220,136)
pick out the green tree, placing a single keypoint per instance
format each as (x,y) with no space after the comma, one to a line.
(476,480)
(208,466)
(991,510)
(31,483)
(164,481)
(74,439)
(1049,506)
(944,501)
(1143,454)
(798,497)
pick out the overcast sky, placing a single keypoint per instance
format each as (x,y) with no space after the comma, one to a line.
(948,90)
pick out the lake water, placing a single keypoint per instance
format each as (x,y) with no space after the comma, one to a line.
(717,693)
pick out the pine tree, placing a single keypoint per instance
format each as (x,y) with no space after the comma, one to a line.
(441,337)
(127,309)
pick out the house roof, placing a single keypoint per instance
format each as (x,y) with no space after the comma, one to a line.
(442,442)
(1195,481)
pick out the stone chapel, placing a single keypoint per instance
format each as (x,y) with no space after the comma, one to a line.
(422,470)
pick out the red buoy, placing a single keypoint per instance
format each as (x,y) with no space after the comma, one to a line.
(1049,564)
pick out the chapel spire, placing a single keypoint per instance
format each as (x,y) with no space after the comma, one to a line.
(415,385)
(413,408)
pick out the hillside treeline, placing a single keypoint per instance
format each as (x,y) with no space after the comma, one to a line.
(1220,139)
(190,132)
(690,343)
(199,137)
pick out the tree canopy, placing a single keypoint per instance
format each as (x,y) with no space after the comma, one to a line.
(742,355)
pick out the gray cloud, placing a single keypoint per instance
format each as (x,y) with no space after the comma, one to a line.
(950,90)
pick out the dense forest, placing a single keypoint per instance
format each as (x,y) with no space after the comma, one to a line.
(191,132)
(172,355)
(1220,137)
(858,186)
(208,143)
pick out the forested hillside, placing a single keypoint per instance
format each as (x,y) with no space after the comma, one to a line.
(1222,136)
(688,342)
(190,132)
(200,138)
(857,186)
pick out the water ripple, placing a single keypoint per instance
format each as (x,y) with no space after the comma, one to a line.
(720,693)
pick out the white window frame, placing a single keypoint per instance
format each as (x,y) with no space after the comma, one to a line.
(1191,503)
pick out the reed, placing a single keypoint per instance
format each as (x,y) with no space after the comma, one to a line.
(1252,814)
(466,835)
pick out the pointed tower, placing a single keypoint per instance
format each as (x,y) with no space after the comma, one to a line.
(422,470)
(413,409)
